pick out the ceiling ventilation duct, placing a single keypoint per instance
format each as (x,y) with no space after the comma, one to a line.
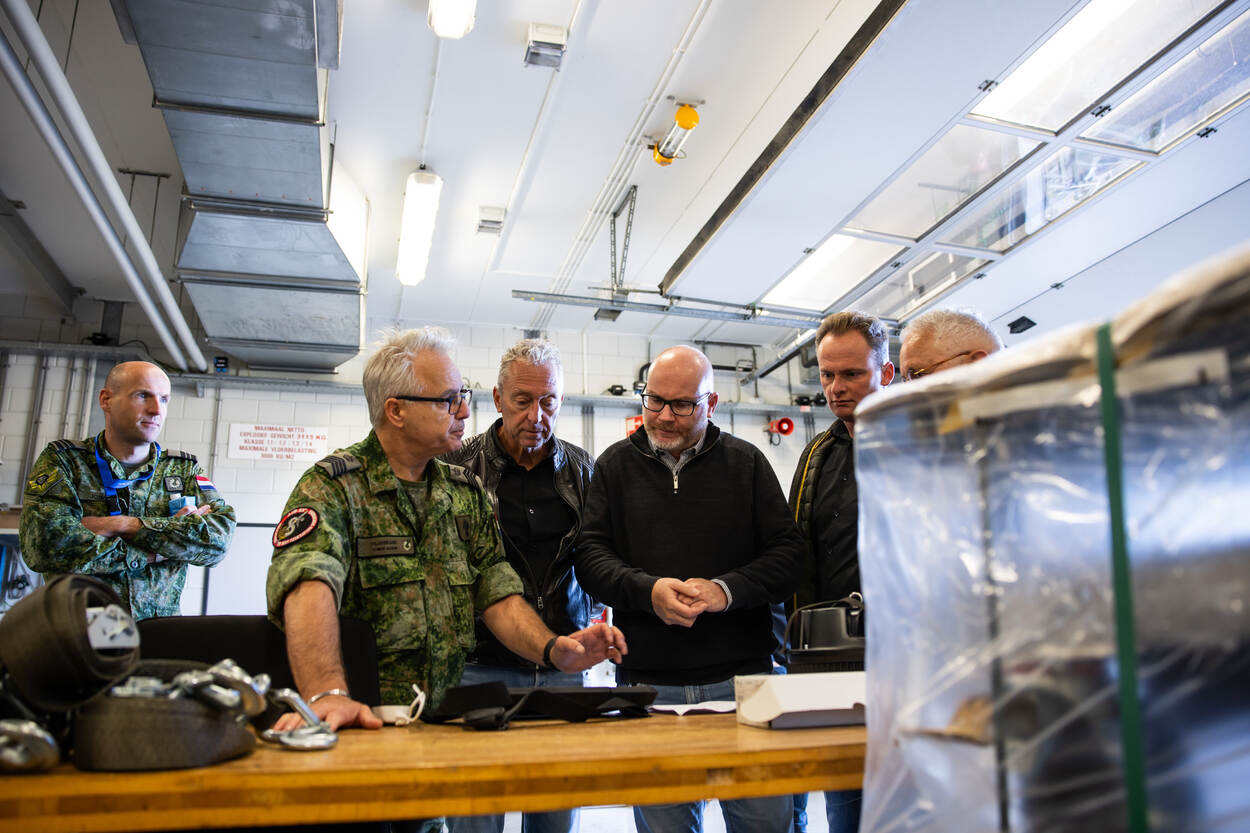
(271,245)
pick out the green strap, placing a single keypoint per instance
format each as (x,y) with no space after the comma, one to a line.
(1125,643)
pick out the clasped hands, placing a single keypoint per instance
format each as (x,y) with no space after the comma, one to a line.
(679,602)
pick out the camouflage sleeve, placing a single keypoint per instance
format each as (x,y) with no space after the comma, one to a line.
(51,532)
(201,540)
(495,577)
(312,541)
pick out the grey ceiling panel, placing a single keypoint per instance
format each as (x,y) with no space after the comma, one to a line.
(260,57)
(251,245)
(238,84)
(248,159)
(278,315)
(298,358)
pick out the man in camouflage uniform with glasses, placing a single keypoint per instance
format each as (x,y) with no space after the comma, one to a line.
(384,532)
(122,509)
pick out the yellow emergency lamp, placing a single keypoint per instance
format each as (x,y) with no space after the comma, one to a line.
(670,146)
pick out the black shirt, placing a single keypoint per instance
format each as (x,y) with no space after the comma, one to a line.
(835,520)
(533,517)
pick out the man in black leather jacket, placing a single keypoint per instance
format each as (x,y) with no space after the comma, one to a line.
(537,485)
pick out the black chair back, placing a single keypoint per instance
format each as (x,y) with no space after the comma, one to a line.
(258,646)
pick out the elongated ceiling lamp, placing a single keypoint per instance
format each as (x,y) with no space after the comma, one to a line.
(668,148)
(452,19)
(416,229)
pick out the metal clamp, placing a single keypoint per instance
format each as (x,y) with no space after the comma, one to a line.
(314,734)
(26,746)
(224,686)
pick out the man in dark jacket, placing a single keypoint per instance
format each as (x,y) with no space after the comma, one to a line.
(537,485)
(687,537)
(852,352)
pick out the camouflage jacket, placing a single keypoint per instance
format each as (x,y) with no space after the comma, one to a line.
(419,579)
(65,487)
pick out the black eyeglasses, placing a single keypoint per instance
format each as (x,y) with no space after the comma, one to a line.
(925,371)
(461,397)
(679,407)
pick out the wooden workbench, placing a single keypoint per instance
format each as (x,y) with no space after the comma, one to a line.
(425,770)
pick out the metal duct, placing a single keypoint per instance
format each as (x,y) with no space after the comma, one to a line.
(275,281)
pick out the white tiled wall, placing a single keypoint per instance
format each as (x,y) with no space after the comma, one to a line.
(258,489)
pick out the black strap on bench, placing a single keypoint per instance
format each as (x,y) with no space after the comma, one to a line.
(45,649)
(118,734)
(493,705)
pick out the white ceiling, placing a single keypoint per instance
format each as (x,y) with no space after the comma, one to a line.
(558,149)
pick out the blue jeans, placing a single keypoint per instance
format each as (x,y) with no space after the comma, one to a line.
(742,815)
(555,821)
(842,809)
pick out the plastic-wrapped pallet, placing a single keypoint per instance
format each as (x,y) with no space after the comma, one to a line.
(1029,670)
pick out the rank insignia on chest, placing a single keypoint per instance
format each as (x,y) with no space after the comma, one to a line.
(295,525)
(463,527)
(173,485)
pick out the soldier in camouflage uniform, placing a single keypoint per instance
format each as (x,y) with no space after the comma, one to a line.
(118,507)
(384,532)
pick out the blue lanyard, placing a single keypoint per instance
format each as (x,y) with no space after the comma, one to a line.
(112,484)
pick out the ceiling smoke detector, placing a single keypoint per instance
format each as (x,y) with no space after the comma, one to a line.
(545,47)
(490,220)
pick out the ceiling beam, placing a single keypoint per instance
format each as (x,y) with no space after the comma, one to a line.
(808,107)
(22,241)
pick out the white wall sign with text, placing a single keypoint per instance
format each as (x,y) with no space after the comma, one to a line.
(277,442)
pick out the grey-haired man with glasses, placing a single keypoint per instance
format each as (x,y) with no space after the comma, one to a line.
(687,536)
(385,532)
(944,338)
(537,485)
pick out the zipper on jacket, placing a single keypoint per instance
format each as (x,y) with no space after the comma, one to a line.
(674,481)
(538,602)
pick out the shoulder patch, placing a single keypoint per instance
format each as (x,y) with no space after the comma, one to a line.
(43,482)
(295,525)
(337,465)
(181,455)
(66,445)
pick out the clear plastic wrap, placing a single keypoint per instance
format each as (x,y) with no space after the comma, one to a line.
(986,557)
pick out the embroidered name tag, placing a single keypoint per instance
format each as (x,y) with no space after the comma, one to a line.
(373,547)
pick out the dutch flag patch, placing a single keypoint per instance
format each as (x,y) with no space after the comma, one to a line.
(204,483)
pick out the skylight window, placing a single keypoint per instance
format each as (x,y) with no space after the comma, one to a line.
(1033,150)
(1099,47)
(1047,192)
(908,289)
(957,167)
(1212,79)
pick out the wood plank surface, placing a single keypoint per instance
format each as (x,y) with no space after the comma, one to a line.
(424,770)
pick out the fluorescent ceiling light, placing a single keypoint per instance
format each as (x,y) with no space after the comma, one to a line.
(416,231)
(452,18)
